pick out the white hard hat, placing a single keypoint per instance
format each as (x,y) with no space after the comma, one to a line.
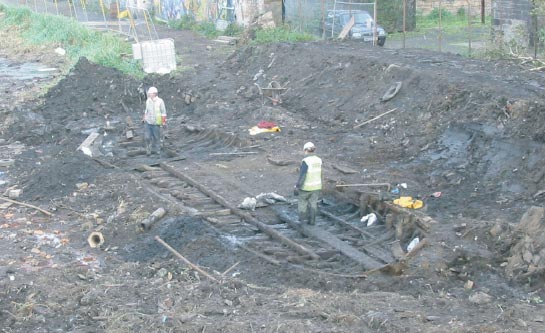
(309,146)
(152,90)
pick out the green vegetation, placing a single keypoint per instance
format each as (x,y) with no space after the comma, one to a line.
(448,25)
(207,29)
(446,19)
(78,41)
(233,29)
(188,22)
(262,36)
(281,34)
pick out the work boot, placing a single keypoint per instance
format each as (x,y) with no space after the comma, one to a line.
(148,150)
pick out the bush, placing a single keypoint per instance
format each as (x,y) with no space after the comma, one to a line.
(208,29)
(187,22)
(434,14)
(461,13)
(233,29)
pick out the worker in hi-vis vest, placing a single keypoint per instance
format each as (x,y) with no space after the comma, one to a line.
(155,116)
(309,185)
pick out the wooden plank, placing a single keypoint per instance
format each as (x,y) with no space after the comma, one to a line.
(379,252)
(85,146)
(228,38)
(200,201)
(225,219)
(221,41)
(345,223)
(208,206)
(219,212)
(347,28)
(343,169)
(375,118)
(247,217)
(260,255)
(333,241)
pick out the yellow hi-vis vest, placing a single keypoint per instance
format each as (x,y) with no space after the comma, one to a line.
(158,115)
(313,179)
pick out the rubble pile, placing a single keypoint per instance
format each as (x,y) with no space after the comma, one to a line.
(527,252)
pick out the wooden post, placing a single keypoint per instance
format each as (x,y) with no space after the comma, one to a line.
(375,25)
(26,205)
(390,219)
(404,21)
(469,26)
(189,263)
(483,12)
(440,37)
(364,201)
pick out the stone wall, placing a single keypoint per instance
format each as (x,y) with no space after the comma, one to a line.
(512,20)
(426,6)
(507,10)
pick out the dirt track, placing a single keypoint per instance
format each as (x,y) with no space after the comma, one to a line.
(470,129)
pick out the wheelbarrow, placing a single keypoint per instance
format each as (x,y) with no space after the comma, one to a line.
(273,91)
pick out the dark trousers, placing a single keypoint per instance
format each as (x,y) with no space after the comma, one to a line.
(152,137)
(307,206)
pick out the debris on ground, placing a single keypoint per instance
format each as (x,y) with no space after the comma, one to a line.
(76,223)
(526,259)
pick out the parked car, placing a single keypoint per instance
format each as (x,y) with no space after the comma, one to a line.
(362,29)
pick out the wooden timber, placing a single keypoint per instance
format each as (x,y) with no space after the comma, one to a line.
(369,248)
(345,223)
(247,217)
(326,237)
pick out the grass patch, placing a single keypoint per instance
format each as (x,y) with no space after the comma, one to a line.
(446,18)
(452,27)
(43,29)
(281,34)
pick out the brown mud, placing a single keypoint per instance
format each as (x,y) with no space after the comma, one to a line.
(471,129)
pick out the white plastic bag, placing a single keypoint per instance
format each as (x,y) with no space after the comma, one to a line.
(370,218)
(248,203)
(412,244)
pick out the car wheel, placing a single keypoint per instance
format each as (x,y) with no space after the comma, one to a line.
(381,41)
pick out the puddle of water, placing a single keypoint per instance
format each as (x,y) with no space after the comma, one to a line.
(24,71)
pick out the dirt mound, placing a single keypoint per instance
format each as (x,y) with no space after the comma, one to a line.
(86,98)
(459,124)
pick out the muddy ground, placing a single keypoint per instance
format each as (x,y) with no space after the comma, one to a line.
(471,129)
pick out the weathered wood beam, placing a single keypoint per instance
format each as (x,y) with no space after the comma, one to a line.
(247,217)
(345,223)
(326,237)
